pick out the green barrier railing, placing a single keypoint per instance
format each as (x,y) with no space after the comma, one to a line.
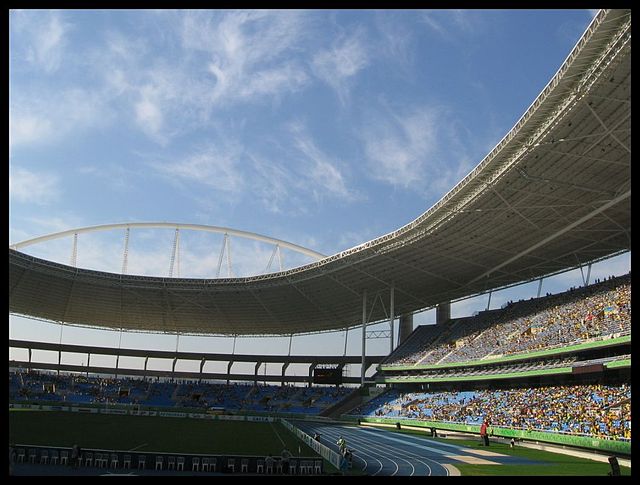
(510,358)
(592,443)
(324,451)
(541,372)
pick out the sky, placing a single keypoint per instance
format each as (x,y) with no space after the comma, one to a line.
(323,128)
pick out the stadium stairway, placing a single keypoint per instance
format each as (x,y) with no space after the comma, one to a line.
(355,398)
(350,401)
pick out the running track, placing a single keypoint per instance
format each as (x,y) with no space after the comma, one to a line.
(377,451)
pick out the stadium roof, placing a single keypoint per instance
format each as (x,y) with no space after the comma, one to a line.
(555,193)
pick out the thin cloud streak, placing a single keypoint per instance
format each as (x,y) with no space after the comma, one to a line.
(31,187)
(338,65)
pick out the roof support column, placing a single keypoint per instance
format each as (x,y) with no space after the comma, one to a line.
(364,330)
(202,362)
(489,300)
(229,371)
(405,327)
(255,374)
(586,283)
(284,368)
(443,312)
(391,317)
(539,287)
(60,351)
(311,369)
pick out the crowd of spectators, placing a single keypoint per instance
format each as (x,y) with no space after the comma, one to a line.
(36,386)
(600,310)
(591,410)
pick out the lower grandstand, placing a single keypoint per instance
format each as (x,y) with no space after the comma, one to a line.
(32,386)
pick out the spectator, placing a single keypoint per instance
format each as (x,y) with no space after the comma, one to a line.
(268,462)
(285,456)
(484,432)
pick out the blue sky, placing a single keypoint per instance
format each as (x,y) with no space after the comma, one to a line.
(323,128)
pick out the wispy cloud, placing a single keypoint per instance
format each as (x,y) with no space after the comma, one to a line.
(449,24)
(417,148)
(275,186)
(211,166)
(148,113)
(46,37)
(33,187)
(247,53)
(321,171)
(340,63)
(44,117)
(398,146)
(204,61)
(395,41)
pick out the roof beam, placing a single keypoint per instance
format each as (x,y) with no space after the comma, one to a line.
(555,235)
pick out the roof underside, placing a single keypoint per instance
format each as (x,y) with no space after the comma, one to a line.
(555,193)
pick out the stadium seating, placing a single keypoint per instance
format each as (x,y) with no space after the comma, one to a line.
(74,389)
(88,459)
(543,408)
(574,316)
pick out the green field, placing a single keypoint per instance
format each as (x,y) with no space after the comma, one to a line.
(551,464)
(152,434)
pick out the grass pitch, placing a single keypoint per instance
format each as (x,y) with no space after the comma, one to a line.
(152,434)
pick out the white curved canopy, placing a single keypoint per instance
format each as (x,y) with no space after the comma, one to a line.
(171,225)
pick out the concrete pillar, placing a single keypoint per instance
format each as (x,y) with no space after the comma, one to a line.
(405,327)
(443,312)
(364,336)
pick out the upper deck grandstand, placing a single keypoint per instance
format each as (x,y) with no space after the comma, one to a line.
(578,315)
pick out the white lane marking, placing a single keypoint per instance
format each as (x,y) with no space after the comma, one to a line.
(278,435)
(474,460)
(382,451)
(485,453)
(452,470)
(424,447)
(138,447)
